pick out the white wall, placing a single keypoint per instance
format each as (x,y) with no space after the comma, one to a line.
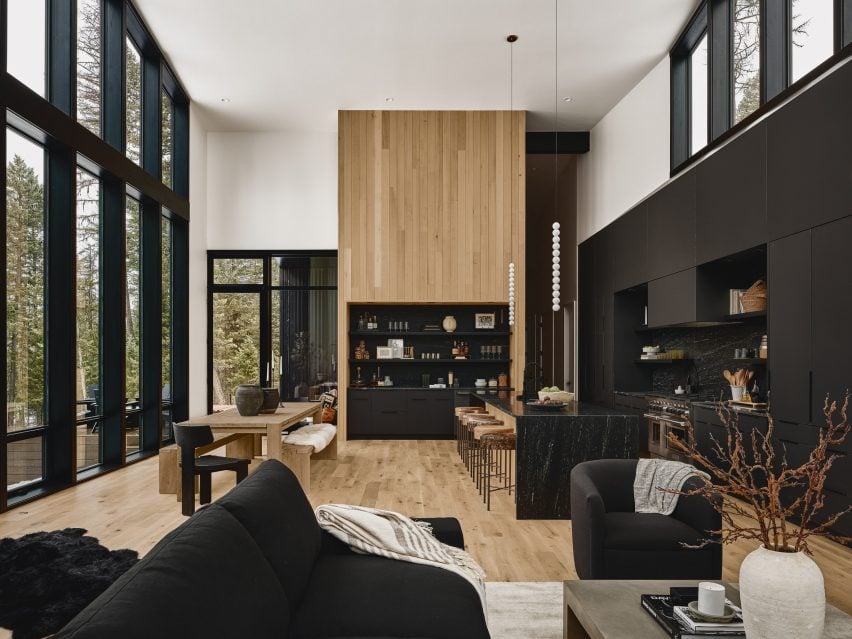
(197,264)
(272,191)
(629,154)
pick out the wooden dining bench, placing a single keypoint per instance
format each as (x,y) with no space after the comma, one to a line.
(238,445)
(297,457)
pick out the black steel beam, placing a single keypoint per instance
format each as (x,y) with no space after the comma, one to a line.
(53,124)
(113,89)
(720,43)
(549,143)
(775,43)
(62,55)
(113,321)
(180,320)
(151,332)
(60,442)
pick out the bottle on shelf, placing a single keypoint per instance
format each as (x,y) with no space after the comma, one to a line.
(450,378)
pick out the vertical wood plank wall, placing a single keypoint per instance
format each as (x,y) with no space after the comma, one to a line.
(431,208)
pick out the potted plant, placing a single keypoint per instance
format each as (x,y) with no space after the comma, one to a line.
(757,492)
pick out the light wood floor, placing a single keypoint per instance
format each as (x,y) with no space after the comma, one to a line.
(419,478)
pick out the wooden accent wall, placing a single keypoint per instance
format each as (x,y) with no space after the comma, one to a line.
(431,208)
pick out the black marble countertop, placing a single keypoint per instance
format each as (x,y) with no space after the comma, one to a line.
(518,408)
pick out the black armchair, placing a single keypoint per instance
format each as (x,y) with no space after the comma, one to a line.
(612,541)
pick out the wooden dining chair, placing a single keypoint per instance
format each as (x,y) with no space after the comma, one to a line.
(188,438)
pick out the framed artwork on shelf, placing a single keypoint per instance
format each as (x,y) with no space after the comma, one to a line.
(484,321)
(384,352)
(396,346)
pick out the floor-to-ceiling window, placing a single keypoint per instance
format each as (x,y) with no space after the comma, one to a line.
(273,321)
(95,250)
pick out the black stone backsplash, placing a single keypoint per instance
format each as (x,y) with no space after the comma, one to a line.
(712,351)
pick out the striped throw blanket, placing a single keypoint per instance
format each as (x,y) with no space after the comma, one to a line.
(389,534)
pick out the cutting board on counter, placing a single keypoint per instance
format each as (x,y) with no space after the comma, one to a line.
(755,405)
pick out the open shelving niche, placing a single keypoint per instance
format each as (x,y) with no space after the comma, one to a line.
(408,372)
(713,282)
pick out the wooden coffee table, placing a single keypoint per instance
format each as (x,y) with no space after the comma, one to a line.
(610,609)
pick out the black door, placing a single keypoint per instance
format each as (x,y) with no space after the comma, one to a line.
(790,327)
(831,312)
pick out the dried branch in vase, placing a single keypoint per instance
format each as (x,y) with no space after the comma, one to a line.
(758,484)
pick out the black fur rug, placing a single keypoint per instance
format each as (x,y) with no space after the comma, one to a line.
(46,578)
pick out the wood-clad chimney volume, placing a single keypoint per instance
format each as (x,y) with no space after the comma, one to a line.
(431,208)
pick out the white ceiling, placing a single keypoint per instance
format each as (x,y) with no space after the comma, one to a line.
(291,64)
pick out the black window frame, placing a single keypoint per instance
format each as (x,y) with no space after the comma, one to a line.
(716,18)
(52,122)
(264,289)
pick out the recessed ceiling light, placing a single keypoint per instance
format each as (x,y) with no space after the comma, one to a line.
(567,99)
(224,100)
(388,99)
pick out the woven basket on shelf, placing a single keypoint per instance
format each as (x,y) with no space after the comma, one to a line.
(754,299)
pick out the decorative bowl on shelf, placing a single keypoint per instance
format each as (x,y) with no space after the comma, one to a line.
(480,383)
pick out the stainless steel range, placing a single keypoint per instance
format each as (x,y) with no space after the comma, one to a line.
(667,415)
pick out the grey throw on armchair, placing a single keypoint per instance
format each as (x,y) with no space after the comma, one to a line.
(611,541)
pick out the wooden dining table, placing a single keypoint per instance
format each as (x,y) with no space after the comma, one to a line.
(241,434)
(230,422)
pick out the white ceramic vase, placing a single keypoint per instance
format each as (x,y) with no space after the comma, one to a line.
(782,595)
(449,323)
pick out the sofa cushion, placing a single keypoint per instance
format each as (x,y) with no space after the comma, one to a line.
(647,531)
(369,596)
(273,508)
(205,579)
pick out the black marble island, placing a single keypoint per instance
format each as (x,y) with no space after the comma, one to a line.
(550,444)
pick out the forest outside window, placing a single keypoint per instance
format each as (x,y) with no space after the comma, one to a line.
(273,321)
(734,56)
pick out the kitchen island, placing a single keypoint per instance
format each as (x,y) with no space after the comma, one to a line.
(550,444)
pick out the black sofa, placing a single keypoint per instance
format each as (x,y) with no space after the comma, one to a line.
(255,564)
(611,541)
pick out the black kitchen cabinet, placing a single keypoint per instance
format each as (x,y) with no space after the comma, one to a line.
(585,318)
(628,248)
(400,413)
(672,299)
(671,227)
(789,326)
(809,166)
(731,197)
(831,312)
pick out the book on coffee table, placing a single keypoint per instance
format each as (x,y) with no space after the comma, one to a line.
(661,609)
(697,624)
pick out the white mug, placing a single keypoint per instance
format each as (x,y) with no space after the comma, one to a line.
(711,599)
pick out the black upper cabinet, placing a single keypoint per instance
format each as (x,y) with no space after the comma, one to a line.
(809,163)
(831,312)
(731,197)
(671,227)
(672,299)
(790,327)
(628,248)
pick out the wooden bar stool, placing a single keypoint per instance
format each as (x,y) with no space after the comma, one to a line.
(469,420)
(479,462)
(497,451)
(463,410)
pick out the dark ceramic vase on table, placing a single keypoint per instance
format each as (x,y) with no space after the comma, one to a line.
(271,399)
(249,399)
